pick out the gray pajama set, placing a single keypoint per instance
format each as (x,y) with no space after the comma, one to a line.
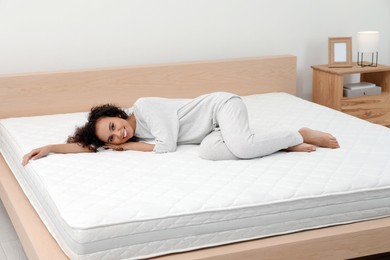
(217,121)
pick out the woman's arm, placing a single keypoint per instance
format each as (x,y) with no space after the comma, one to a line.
(77,148)
(54,148)
(135,146)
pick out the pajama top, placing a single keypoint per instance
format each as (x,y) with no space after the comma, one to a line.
(169,122)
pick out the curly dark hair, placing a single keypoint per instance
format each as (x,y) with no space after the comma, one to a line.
(86,135)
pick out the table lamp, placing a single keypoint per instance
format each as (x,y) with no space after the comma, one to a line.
(367,43)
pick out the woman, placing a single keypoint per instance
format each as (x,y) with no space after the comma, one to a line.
(217,121)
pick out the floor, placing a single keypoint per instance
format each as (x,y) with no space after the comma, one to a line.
(10,247)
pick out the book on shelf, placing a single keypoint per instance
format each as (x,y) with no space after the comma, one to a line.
(359,85)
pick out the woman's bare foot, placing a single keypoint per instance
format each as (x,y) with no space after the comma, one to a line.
(303,147)
(318,138)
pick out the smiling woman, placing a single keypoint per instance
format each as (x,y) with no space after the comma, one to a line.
(220,118)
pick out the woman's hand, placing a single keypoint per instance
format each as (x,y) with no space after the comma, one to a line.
(115,147)
(54,148)
(36,154)
(134,146)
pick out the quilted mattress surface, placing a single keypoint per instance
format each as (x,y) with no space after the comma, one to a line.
(131,205)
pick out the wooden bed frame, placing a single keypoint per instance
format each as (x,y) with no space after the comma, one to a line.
(51,93)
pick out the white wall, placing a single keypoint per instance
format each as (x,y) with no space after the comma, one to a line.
(53,35)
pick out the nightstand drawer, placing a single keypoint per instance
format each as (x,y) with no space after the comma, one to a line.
(375,108)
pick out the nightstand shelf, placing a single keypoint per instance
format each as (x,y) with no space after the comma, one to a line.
(328,91)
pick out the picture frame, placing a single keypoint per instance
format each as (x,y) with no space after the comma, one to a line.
(340,52)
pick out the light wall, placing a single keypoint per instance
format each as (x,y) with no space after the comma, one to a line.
(55,35)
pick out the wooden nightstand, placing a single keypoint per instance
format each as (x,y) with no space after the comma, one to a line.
(328,91)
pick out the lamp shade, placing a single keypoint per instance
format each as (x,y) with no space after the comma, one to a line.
(368,41)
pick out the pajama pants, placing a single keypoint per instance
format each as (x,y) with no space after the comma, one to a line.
(235,140)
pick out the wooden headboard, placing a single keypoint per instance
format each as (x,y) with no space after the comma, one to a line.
(62,92)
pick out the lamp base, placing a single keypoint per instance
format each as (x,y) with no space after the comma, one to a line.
(363,64)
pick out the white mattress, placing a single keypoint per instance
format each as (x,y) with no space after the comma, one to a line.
(119,205)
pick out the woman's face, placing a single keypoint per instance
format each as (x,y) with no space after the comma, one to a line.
(114,130)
